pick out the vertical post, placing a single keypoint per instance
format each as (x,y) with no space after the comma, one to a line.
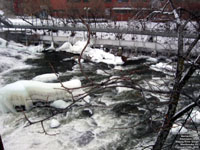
(86,10)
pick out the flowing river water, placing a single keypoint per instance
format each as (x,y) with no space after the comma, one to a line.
(113,119)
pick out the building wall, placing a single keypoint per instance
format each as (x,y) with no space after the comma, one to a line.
(58,4)
(113,8)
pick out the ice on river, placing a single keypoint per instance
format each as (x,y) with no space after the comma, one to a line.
(25,92)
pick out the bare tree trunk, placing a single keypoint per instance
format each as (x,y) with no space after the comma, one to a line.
(167,125)
(174,98)
(1,144)
(181,78)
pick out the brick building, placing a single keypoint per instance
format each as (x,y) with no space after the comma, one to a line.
(112,9)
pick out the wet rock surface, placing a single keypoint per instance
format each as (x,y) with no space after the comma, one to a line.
(85,138)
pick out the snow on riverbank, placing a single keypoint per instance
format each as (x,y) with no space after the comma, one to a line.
(93,54)
(20,47)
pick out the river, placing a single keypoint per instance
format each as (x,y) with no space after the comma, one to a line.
(114,119)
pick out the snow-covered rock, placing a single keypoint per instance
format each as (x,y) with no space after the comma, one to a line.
(65,47)
(51,47)
(98,55)
(87,99)
(101,72)
(95,55)
(60,104)
(36,49)
(151,59)
(195,115)
(162,66)
(123,89)
(75,49)
(178,129)
(87,112)
(54,123)
(46,77)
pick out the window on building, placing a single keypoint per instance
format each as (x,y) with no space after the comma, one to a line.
(74,0)
(108,1)
(122,1)
(121,11)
